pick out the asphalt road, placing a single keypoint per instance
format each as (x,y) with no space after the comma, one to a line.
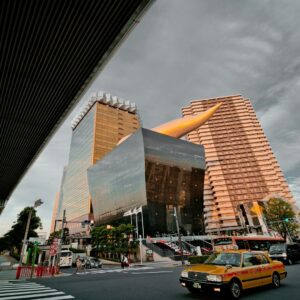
(156,283)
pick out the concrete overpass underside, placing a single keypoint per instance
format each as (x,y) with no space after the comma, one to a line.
(50,50)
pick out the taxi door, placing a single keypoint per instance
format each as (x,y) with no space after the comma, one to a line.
(266,269)
(252,271)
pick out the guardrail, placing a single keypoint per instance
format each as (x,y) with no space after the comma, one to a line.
(36,271)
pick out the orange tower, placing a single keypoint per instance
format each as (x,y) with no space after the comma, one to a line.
(240,165)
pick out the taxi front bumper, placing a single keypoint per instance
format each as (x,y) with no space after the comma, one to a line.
(203,285)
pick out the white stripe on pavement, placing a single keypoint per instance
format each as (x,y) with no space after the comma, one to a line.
(9,293)
(57,298)
(31,296)
(21,285)
(22,288)
(154,272)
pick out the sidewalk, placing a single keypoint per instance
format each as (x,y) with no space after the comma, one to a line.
(6,271)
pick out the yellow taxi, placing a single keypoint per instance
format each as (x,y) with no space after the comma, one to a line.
(232,272)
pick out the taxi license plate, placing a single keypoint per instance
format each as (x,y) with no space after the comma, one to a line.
(197,285)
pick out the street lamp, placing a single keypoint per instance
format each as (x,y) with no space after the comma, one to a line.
(37,203)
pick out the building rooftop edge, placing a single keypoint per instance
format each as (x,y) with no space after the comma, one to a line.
(106,99)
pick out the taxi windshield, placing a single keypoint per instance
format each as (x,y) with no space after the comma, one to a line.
(223,259)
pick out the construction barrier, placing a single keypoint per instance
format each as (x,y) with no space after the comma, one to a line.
(38,271)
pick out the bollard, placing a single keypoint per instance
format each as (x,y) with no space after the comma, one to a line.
(18,272)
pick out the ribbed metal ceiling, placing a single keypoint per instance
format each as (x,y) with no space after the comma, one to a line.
(50,50)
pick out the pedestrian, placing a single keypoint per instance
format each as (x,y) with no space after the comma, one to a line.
(124,261)
(78,265)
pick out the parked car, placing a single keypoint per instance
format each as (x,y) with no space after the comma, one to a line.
(287,253)
(93,262)
(232,272)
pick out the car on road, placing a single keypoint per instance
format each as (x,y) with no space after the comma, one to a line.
(231,272)
(93,262)
(287,253)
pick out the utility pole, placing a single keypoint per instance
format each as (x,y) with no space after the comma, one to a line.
(179,235)
(143,231)
(61,238)
(137,225)
(36,204)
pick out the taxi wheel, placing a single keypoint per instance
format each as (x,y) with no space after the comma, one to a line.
(235,289)
(276,280)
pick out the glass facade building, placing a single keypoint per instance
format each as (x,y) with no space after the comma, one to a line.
(75,188)
(96,131)
(157,172)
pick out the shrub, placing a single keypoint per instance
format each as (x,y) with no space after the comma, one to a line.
(74,250)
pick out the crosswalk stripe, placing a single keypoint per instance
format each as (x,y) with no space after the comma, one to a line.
(57,298)
(9,293)
(23,288)
(20,285)
(115,270)
(31,296)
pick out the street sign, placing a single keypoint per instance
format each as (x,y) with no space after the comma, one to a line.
(54,247)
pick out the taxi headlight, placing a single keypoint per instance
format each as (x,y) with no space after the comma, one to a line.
(184,274)
(216,278)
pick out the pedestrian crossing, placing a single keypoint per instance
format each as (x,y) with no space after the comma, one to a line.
(12,290)
(115,270)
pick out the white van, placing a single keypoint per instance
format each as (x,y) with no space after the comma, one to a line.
(65,258)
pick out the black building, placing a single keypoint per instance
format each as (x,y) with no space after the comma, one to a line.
(156,172)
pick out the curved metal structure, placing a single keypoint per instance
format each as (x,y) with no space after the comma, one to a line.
(180,127)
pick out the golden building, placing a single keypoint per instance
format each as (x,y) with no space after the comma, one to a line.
(103,122)
(241,168)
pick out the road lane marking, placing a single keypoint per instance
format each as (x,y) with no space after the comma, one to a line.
(31,296)
(28,290)
(10,293)
(153,272)
(22,288)
(115,270)
(57,298)
(19,285)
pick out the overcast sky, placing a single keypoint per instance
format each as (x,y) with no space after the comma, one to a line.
(184,50)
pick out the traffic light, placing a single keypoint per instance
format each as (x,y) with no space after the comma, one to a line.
(286,220)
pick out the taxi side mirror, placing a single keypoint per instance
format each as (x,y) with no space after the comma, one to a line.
(228,267)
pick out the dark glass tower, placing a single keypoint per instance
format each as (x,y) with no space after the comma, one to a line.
(157,172)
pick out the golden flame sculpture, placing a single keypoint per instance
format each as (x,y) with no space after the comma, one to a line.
(180,127)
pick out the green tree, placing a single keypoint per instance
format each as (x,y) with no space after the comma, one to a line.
(12,240)
(280,217)
(113,240)
(57,234)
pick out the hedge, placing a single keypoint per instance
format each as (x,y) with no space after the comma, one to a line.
(197,259)
(74,250)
